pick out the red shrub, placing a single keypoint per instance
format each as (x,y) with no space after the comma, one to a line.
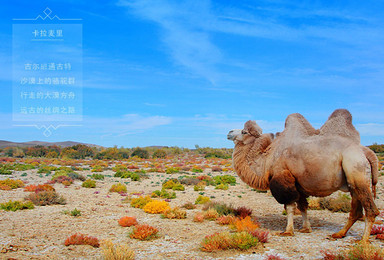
(81,239)
(377,230)
(261,235)
(380,236)
(127,221)
(243,212)
(144,232)
(38,188)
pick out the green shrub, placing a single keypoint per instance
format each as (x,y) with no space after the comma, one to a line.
(23,167)
(97,176)
(178,186)
(199,187)
(141,153)
(159,153)
(46,169)
(118,187)
(76,176)
(16,205)
(224,179)
(197,170)
(222,186)
(163,194)
(221,208)
(202,199)
(89,184)
(171,170)
(75,212)
(6,169)
(140,202)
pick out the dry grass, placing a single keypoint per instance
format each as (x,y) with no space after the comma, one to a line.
(113,251)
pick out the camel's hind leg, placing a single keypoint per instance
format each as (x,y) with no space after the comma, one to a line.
(355,214)
(302,205)
(354,162)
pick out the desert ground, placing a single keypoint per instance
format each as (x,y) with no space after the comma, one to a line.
(40,233)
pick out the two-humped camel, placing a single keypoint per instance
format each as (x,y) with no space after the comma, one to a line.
(302,161)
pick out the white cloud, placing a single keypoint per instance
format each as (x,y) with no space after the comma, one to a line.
(370,129)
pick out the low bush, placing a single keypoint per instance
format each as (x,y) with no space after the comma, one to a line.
(261,235)
(202,199)
(197,169)
(127,221)
(245,224)
(118,187)
(357,252)
(144,232)
(44,198)
(198,217)
(175,213)
(221,208)
(46,169)
(222,186)
(16,205)
(172,170)
(189,205)
(226,240)
(140,202)
(38,188)
(377,229)
(242,212)
(224,179)
(6,169)
(97,176)
(189,181)
(200,186)
(163,194)
(211,214)
(9,184)
(342,203)
(113,251)
(89,184)
(226,220)
(156,207)
(81,239)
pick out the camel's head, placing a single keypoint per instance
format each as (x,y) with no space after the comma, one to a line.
(250,132)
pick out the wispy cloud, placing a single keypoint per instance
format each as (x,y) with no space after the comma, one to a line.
(125,125)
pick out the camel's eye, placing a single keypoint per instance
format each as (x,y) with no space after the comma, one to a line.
(243,132)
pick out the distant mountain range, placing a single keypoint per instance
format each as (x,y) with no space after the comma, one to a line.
(4,144)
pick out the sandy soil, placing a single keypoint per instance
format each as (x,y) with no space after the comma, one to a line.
(40,233)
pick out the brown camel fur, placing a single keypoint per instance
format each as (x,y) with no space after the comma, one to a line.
(303,161)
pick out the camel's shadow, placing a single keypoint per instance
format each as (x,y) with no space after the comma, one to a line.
(278,222)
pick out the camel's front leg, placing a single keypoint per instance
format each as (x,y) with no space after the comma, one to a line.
(290,208)
(302,205)
(306,225)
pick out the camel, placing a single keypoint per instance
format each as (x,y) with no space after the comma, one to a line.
(302,161)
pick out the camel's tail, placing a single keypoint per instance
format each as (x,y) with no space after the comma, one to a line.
(374,162)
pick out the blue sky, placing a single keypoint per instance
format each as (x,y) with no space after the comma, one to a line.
(186,72)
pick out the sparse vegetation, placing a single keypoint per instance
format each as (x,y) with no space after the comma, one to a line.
(113,251)
(16,205)
(144,232)
(44,198)
(81,239)
(119,187)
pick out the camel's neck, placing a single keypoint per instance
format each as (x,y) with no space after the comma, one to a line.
(249,163)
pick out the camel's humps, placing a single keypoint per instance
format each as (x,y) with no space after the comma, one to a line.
(302,161)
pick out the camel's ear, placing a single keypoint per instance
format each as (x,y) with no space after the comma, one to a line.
(253,128)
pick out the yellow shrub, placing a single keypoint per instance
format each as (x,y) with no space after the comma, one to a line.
(156,207)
